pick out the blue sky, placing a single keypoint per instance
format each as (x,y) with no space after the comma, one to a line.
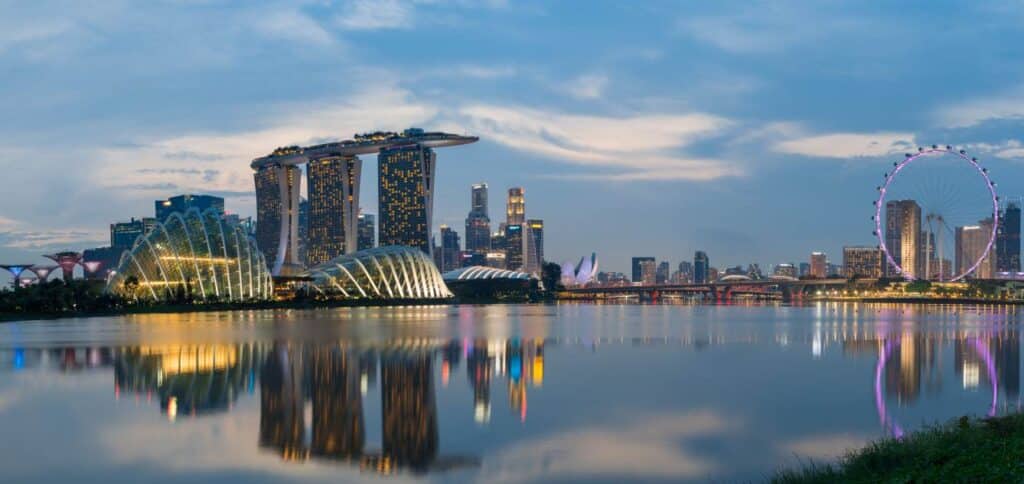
(756,131)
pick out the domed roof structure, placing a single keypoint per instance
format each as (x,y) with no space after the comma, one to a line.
(581,273)
(193,256)
(391,272)
(473,273)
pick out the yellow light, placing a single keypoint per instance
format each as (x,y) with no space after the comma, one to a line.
(211,260)
(172,408)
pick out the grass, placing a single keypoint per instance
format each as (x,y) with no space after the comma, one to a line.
(963,450)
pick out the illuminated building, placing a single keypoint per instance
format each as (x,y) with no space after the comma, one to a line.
(903,237)
(819,265)
(193,256)
(534,257)
(478,222)
(684,275)
(496,259)
(382,273)
(701,268)
(971,242)
(638,268)
(515,207)
(785,270)
(367,231)
(333,207)
(1008,239)
(862,262)
(303,242)
(581,273)
(277,215)
(405,189)
(514,242)
(181,203)
(123,234)
(661,273)
(448,257)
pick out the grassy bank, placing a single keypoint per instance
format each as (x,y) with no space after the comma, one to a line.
(964,450)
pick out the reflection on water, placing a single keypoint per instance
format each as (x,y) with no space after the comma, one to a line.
(369,400)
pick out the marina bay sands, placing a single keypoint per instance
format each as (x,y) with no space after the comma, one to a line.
(407,166)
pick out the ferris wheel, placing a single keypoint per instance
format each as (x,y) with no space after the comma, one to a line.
(937,216)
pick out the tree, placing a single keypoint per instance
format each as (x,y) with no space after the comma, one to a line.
(551,276)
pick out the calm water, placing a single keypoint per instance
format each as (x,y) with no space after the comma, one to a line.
(487,393)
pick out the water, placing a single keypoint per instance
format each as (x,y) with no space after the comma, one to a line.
(488,393)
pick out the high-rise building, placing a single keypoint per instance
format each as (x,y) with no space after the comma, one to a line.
(903,237)
(406,195)
(661,273)
(496,259)
(478,223)
(638,262)
(685,272)
(862,261)
(304,230)
(515,209)
(367,231)
(971,242)
(514,242)
(805,269)
(701,266)
(448,257)
(181,203)
(333,207)
(1008,239)
(785,270)
(819,265)
(123,234)
(277,214)
(534,246)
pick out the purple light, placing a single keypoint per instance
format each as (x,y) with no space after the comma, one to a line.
(907,161)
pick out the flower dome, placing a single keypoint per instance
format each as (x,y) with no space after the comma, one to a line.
(193,256)
(392,272)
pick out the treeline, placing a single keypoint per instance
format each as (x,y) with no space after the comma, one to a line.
(58,298)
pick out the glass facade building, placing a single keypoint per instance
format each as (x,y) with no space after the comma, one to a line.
(534,259)
(193,256)
(181,203)
(514,241)
(405,190)
(333,207)
(367,231)
(382,273)
(862,262)
(903,237)
(701,268)
(515,208)
(1008,239)
(123,234)
(277,214)
(478,222)
(637,266)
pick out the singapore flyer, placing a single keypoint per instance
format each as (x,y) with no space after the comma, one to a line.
(937,217)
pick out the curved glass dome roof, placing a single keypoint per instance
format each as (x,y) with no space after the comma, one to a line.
(391,272)
(193,256)
(473,273)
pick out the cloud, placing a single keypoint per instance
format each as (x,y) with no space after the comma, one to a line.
(20,235)
(590,86)
(634,147)
(1006,106)
(650,449)
(375,15)
(848,145)
(293,26)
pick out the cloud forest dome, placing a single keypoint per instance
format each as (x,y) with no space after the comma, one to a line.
(196,256)
(391,272)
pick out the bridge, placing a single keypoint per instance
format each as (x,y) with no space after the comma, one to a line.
(789,289)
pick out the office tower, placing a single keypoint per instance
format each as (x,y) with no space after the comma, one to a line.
(515,209)
(534,248)
(514,245)
(971,242)
(903,237)
(638,275)
(447,258)
(277,214)
(685,272)
(661,273)
(405,190)
(496,259)
(367,231)
(333,207)
(1008,239)
(648,272)
(819,265)
(478,223)
(701,266)
(785,270)
(498,238)
(304,230)
(123,234)
(181,203)
(861,261)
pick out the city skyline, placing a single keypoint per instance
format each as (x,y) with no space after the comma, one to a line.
(723,136)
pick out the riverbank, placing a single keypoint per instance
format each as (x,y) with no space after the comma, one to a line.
(964,450)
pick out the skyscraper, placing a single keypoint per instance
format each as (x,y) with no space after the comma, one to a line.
(181,203)
(971,242)
(478,223)
(367,231)
(1008,239)
(515,209)
(638,273)
(685,272)
(903,237)
(447,258)
(405,190)
(819,265)
(514,242)
(333,207)
(123,234)
(661,274)
(303,230)
(785,270)
(862,261)
(277,197)
(701,267)
(534,246)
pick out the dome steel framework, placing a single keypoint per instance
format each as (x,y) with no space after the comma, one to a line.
(390,272)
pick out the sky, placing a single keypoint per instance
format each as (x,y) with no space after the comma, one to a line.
(755,131)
